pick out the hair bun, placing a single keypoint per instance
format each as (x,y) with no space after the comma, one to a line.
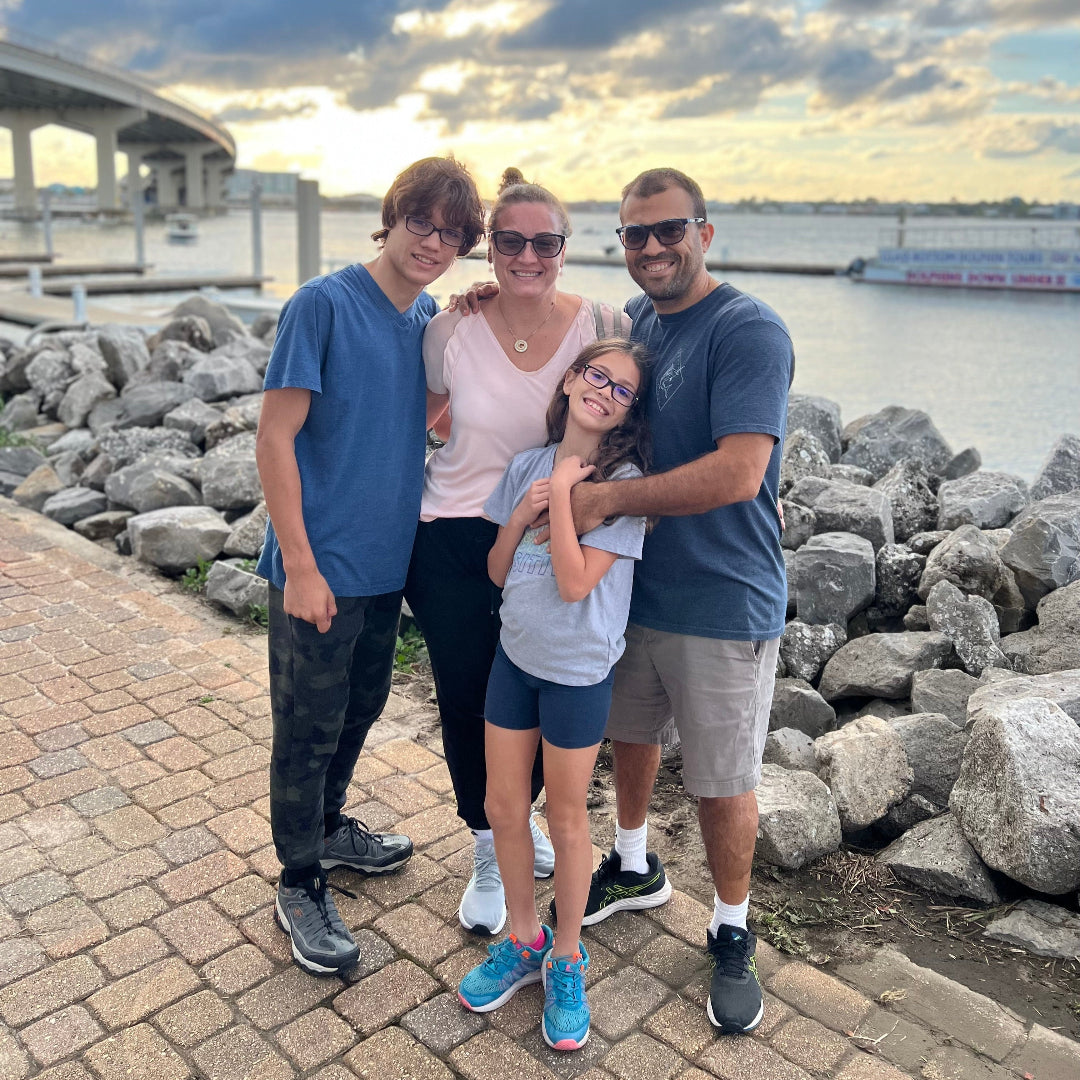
(510,177)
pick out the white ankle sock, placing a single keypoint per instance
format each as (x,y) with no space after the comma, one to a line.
(484,838)
(728,915)
(630,847)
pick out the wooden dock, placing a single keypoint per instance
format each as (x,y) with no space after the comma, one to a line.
(25,310)
(117,286)
(48,270)
(42,257)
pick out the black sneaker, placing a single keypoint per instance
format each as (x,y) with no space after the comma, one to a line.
(735,1003)
(614,889)
(321,942)
(353,846)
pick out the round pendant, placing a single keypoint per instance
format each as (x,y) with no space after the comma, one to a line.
(520,345)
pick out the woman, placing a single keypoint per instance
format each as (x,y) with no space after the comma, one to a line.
(497,372)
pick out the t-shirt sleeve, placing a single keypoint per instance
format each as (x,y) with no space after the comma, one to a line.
(749,378)
(436,338)
(625,535)
(501,502)
(303,335)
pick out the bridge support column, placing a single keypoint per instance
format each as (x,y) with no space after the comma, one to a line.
(104,124)
(168,191)
(193,172)
(215,182)
(21,125)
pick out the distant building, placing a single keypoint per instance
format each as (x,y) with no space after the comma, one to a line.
(277,187)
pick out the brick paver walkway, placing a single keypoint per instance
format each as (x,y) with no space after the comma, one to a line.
(136,930)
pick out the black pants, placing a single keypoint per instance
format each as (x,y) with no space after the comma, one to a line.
(457,609)
(326,690)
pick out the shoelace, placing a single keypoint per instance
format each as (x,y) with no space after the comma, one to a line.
(318,894)
(731,955)
(506,950)
(359,831)
(568,983)
(486,870)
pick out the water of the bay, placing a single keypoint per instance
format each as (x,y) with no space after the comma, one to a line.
(995,370)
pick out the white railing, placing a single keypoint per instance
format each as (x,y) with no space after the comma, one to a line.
(1064,236)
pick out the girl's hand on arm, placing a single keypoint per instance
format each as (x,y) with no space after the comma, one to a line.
(307,595)
(501,556)
(533,503)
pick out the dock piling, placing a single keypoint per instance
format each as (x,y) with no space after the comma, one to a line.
(78,297)
(256,229)
(46,220)
(33,275)
(308,261)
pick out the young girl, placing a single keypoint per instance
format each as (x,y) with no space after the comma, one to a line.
(564,610)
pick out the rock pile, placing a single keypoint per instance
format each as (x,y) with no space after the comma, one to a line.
(928,695)
(146,441)
(929,687)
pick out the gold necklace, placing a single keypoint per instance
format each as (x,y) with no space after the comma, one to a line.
(521,344)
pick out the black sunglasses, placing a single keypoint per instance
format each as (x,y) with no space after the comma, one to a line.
(546,244)
(454,238)
(669,231)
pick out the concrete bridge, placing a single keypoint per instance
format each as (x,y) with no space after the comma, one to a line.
(41,83)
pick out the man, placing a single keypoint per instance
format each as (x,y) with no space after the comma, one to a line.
(710,591)
(340,450)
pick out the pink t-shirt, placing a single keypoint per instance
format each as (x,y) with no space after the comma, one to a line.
(497,410)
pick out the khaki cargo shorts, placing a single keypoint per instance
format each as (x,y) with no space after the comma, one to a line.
(716,694)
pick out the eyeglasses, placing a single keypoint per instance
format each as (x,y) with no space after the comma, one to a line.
(546,244)
(669,231)
(454,238)
(621,395)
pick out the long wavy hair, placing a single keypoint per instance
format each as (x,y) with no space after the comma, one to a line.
(627,443)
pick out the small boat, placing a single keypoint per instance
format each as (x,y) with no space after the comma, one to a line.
(181,228)
(1039,257)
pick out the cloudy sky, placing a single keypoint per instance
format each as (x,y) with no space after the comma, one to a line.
(803,99)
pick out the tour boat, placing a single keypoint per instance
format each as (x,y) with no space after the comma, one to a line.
(181,227)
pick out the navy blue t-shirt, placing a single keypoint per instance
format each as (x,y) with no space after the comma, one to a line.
(361,449)
(722,366)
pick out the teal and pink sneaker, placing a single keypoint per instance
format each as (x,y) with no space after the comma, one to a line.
(566,1011)
(510,965)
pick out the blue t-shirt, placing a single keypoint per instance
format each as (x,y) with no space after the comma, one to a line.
(721,367)
(361,449)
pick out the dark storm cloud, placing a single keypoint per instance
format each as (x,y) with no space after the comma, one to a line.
(848,74)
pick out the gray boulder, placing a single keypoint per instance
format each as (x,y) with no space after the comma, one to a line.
(799,525)
(898,571)
(104,526)
(1060,687)
(962,464)
(234,588)
(797,818)
(968,560)
(147,403)
(945,692)
(865,768)
(925,542)
(1044,550)
(231,482)
(81,441)
(835,577)
(895,434)
(881,665)
(248,534)
(81,396)
(1013,613)
(264,326)
(1054,644)
(850,508)
(934,855)
(934,747)
(125,352)
(105,416)
(73,504)
(1060,472)
(38,487)
(170,359)
(176,538)
(796,704)
(914,505)
(986,500)
(49,374)
(128,446)
(147,487)
(805,648)
(916,619)
(851,474)
(193,330)
(224,326)
(193,417)
(970,623)
(1018,795)
(792,581)
(237,419)
(803,456)
(255,352)
(68,467)
(790,749)
(217,377)
(907,814)
(16,464)
(818,417)
(1039,928)
(20,413)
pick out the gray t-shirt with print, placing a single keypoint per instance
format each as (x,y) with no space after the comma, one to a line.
(572,644)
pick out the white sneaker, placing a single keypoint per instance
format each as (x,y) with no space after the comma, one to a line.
(483,907)
(543,852)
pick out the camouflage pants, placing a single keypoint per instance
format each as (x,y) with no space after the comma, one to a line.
(326,690)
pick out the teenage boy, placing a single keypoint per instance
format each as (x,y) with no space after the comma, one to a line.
(710,591)
(340,450)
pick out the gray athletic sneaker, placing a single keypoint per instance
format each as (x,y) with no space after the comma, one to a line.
(353,846)
(543,852)
(320,940)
